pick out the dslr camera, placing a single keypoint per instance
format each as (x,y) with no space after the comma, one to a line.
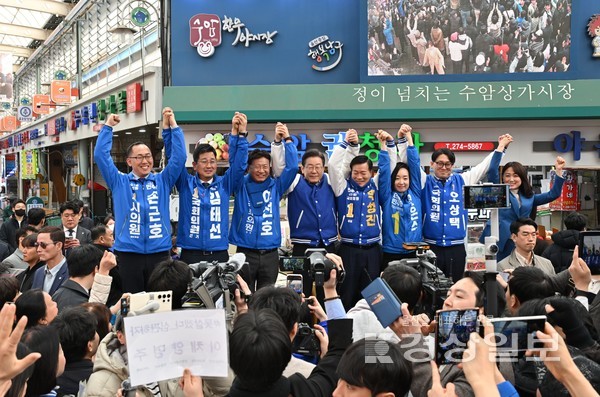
(306,342)
(319,266)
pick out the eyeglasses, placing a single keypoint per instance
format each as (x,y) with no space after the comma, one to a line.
(42,244)
(147,157)
(206,162)
(441,164)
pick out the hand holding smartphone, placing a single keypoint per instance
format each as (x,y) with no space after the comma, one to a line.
(294,281)
(454,328)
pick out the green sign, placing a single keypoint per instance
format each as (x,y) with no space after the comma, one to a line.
(34,202)
(411,101)
(140,16)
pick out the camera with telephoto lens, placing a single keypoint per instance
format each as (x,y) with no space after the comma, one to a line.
(306,342)
(435,283)
(320,267)
(213,284)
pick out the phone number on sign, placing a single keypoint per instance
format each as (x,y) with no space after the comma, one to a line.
(465,146)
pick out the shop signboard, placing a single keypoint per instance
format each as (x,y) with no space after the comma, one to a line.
(60,91)
(134,98)
(40,104)
(29,164)
(569,197)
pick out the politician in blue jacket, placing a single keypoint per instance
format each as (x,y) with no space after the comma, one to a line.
(399,197)
(203,227)
(523,202)
(255,226)
(141,201)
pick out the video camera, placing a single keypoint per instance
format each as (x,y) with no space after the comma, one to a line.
(435,282)
(315,263)
(214,284)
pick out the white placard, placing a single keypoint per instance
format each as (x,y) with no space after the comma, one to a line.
(161,345)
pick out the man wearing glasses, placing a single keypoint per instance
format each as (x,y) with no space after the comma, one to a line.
(203,227)
(256,228)
(49,246)
(444,215)
(141,201)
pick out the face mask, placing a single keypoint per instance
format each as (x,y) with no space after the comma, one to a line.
(111,227)
(20,212)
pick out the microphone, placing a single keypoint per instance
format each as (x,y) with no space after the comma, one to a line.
(238,259)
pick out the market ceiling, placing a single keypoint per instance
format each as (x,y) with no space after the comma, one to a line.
(26,24)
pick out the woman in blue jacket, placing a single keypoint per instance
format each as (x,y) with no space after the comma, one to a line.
(522,199)
(399,197)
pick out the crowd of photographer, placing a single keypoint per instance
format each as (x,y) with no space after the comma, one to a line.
(72,287)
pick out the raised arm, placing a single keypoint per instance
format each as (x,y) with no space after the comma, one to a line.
(102,151)
(385,174)
(339,163)
(238,152)
(414,165)
(291,159)
(277,154)
(405,140)
(476,174)
(559,181)
(177,161)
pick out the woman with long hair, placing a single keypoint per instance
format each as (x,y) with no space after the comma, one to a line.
(38,306)
(522,200)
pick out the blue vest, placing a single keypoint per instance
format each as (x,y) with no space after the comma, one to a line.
(358,214)
(255,223)
(141,206)
(204,211)
(402,216)
(312,213)
(444,216)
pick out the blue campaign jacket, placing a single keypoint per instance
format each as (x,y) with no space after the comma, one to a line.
(358,207)
(517,210)
(444,218)
(141,208)
(204,212)
(312,212)
(402,216)
(255,223)
(358,214)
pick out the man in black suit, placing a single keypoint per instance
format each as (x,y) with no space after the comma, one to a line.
(50,243)
(74,234)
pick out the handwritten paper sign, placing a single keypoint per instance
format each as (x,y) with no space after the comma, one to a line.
(161,345)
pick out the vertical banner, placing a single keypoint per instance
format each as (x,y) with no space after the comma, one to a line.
(29,164)
(569,197)
(6,77)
